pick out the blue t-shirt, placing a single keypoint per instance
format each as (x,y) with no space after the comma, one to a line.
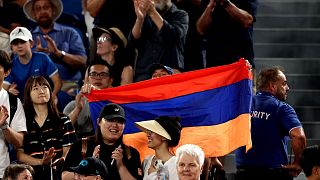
(271,123)
(39,65)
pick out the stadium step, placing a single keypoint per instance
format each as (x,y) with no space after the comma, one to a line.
(307,66)
(287,50)
(288,21)
(287,35)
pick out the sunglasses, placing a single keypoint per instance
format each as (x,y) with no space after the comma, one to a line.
(104,39)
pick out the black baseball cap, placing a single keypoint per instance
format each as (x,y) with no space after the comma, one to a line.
(91,166)
(111,111)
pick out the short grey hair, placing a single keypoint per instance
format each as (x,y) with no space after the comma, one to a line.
(192,150)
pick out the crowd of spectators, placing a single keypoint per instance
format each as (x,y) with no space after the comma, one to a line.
(51,63)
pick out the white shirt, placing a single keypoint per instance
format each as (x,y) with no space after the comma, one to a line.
(18,124)
(170,165)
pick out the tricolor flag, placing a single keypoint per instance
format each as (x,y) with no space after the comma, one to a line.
(213,103)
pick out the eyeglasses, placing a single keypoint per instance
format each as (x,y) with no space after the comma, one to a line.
(103,39)
(101,75)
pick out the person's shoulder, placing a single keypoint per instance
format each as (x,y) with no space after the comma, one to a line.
(147,158)
(4,93)
(65,28)
(39,55)
(133,150)
(285,106)
(15,60)
(71,104)
(177,10)
(64,118)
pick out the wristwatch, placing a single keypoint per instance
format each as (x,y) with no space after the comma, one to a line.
(225,3)
(4,126)
(62,54)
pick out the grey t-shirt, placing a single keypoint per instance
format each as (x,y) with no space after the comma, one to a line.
(83,125)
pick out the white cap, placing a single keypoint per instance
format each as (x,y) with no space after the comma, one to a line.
(20,33)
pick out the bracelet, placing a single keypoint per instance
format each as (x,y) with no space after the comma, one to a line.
(4,126)
(225,3)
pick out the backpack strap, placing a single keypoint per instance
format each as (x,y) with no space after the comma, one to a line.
(13,101)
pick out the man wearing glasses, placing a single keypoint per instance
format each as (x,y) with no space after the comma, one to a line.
(98,76)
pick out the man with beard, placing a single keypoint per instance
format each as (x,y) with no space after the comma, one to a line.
(273,122)
(159,34)
(63,44)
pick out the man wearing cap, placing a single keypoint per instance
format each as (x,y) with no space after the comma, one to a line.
(158,70)
(159,34)
(28,63)
(112,48)
(62,43)
(91,168)
(122,161)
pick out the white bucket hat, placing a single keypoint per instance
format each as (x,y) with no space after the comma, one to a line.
(57,8)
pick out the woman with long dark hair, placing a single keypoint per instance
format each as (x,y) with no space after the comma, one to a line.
(50,134)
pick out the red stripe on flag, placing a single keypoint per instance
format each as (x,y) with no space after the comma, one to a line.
(175,85)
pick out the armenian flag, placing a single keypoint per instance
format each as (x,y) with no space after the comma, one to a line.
(214,106)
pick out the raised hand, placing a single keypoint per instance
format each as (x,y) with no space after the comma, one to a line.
(117,154)
(87,87)
(39,47)
(51,45)
(3,115)
(212,4)
(48,156)
(80,101)
(139,9)
(96,152)
(13,89)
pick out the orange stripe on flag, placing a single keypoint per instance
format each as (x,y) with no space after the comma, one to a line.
(216,141)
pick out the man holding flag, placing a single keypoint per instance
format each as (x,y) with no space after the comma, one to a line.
(214,106)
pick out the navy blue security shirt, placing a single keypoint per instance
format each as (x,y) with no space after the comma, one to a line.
(271,122)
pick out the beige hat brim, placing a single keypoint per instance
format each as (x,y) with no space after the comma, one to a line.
(57,9)
(153,126)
